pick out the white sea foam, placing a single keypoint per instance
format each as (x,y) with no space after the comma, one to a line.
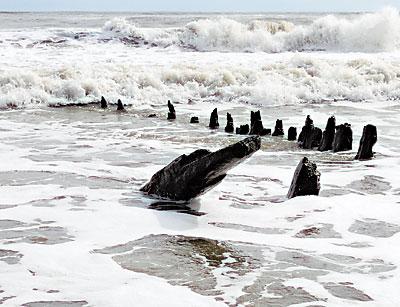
(78,172)
(70,177)
(121,28)
(290,80)
(205,60)
(372,32)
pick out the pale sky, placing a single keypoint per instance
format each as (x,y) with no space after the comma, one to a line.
(197,5)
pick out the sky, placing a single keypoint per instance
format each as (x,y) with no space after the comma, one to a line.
(198,5)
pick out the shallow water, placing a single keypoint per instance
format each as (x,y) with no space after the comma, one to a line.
(70,180)
(76,231)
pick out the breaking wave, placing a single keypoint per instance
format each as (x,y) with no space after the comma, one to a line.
(300,79)
(374,32)
(65,66)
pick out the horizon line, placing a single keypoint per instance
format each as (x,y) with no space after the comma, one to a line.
(184,12)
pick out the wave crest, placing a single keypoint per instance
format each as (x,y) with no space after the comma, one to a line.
(300,79)
(373,32)
(127,32)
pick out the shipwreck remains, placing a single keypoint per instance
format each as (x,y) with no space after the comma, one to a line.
(305,180)
(189,176)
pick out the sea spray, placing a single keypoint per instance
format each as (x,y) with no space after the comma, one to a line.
(372,32)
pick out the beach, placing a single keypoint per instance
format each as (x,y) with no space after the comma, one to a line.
(75,230)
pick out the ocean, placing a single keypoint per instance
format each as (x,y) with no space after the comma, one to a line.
(76,231)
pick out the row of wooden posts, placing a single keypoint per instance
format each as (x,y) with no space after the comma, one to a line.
(335,137)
